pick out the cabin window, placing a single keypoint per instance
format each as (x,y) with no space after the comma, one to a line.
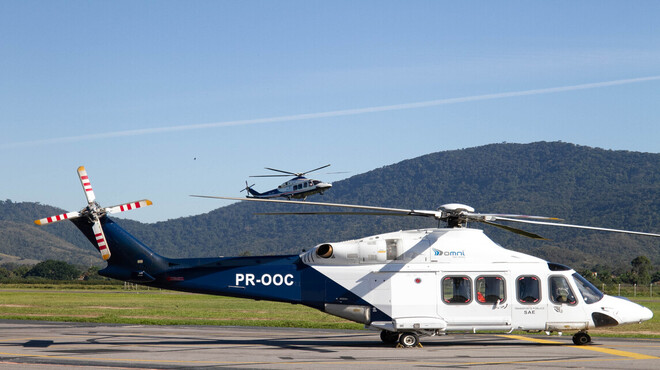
(529,289)
(560,291)
(456,289)
(311,184)
(490,289)
(305,185)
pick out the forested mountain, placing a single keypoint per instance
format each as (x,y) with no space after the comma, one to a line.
(583,185)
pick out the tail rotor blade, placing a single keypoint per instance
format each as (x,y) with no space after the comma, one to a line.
(247,187)
(100,240)
(62,217)
(87,186)
(129,206)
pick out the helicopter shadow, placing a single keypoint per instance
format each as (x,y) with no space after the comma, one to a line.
(113,343)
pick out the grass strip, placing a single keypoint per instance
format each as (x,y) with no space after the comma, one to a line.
(163,307)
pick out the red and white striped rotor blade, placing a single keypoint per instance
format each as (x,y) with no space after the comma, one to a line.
(129,206)
(100,240)
(62,217)
(87,186)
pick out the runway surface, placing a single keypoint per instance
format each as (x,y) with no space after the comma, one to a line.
(46,345)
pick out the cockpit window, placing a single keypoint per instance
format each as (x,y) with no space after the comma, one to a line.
(560,291)
(589,292)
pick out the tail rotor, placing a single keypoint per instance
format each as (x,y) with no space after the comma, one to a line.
(94,212)
(247,188)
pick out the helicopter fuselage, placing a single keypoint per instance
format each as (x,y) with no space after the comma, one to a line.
(427,281)
(299,187)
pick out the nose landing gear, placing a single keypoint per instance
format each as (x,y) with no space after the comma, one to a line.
(581,338)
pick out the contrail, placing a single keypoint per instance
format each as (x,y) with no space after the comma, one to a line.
(336,113)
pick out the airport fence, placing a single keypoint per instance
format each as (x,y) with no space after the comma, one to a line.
(631,290)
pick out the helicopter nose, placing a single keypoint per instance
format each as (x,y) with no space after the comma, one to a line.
(631,312)
(323,185)
(637,314)
(646,314)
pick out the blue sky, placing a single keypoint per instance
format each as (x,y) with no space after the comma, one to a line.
(136,90)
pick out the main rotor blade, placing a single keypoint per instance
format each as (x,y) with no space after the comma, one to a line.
(515,230)
(293,174)
(498,216)
(62,217)
(577,226)
(276,170)
(87,186)
(129,206)
(316,169)
(333,213)
(408,212)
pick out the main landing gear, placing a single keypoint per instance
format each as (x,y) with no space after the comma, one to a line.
(405,340)
(389,337)
(581,338)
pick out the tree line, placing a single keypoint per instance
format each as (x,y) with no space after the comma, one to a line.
(641,272)
(49,270)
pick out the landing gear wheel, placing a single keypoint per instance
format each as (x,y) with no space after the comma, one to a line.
(389,337)
(409,340)
(581,338)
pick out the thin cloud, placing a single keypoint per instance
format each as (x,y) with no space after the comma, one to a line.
(336,113)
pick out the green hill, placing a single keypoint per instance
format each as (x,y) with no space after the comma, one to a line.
(583,185)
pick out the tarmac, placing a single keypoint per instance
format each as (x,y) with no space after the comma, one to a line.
(56,345)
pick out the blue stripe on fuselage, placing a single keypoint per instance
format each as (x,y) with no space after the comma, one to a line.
(274,278)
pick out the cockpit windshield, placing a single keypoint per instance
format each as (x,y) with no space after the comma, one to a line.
(589,292)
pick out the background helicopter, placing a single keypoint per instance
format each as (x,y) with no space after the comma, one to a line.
(405,283)
(298,187)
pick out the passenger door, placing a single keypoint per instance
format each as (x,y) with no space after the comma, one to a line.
(414,294)
(565,312)
(475,303)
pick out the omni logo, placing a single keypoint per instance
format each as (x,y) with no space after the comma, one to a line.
(437,252)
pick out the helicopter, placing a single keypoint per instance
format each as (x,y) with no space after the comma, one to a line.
(405,284)
(298,187)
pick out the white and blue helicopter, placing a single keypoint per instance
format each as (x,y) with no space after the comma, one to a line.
(406,284)
(298,187)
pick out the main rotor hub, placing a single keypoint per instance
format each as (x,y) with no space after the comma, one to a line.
(455,208)
(455,214)
(93,211)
